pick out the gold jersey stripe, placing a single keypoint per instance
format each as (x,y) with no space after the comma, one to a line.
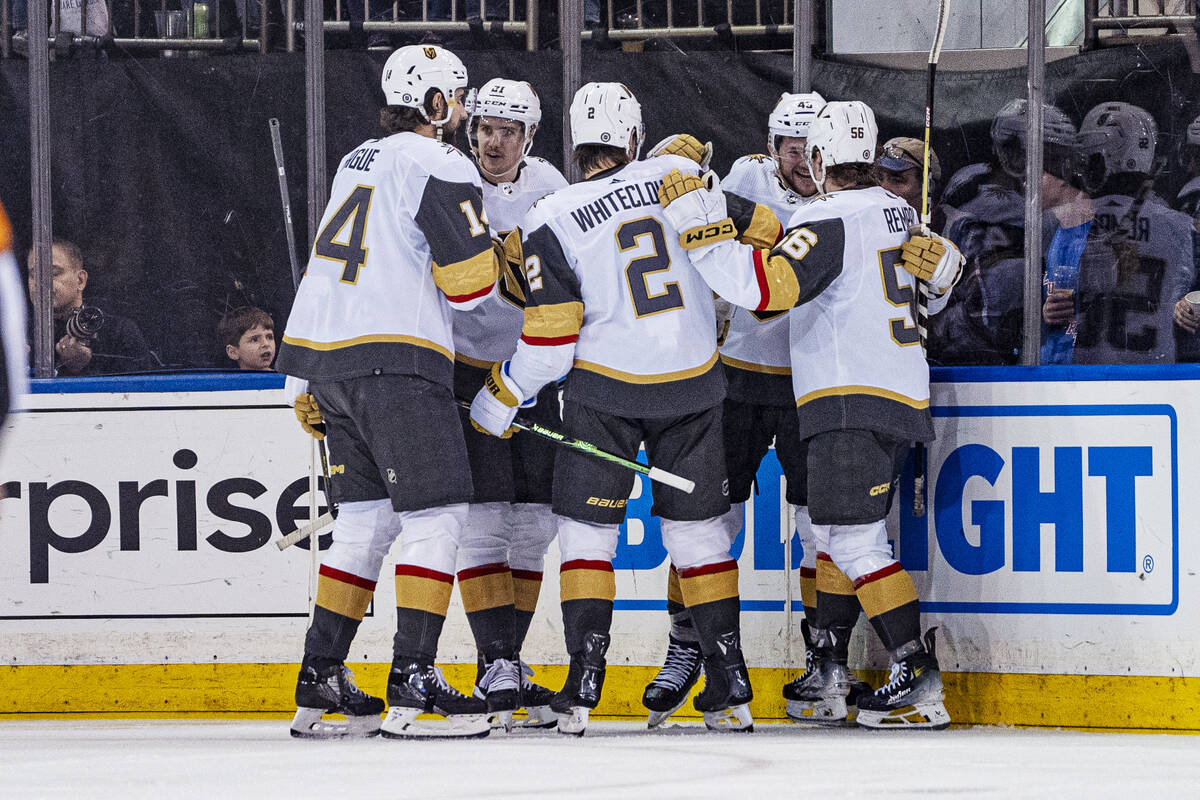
(525,593)
(831,580)
(342,598)
(486,591)
(587,584)
(374,338)
(674,592)
(709,588)
(764,228)
(783,290)
(553,321)
(423,594)
(874,391)
(750,366)
(467,277)
(473,362)
(664,377)
(892,591)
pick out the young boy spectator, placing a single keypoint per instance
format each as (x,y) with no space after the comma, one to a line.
(248,334)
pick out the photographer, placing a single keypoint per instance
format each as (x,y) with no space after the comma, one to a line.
(87,339)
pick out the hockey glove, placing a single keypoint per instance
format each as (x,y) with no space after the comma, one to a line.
(310,416)
(686,145)
(725,311)
(696,207)
(495,405)
(932,259)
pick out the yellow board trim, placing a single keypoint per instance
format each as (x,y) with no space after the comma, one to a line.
(874,391)
(374,338)
(663,377)
(750,366)
(1114,702)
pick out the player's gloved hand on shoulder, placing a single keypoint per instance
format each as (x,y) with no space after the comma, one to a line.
(931,258)
(495,405)
(695,205)
(686,145)
(725,311)
(295,391)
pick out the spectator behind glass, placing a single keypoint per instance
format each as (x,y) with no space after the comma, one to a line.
(899,170)
(87,339)
(248,334)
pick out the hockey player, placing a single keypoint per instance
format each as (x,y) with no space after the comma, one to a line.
(758,407)
(1126,298)
(1187,319)
(509,523)
(847,268)
(614,305)
(368,349)
(13,361)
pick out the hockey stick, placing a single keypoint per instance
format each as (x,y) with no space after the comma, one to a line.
(277,146)
(653,473)
(317,527)
(935,51)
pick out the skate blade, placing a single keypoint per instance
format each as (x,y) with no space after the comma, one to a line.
(656,718)
(574,722)
(539,718)
(735,718)
(308,724)
(923,716)
(830,712)
(501,720)
(402,723)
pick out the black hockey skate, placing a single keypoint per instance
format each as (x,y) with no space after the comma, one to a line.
(585,681)
(725,699)
(500,685)
(822,694)
(535,699)
(415,688)
(669,689)
(912,697)
(330,689)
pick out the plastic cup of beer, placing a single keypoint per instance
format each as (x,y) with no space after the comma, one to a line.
(1193,300)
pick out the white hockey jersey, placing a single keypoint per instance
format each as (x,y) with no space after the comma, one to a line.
(488,333)
(612,294)
(14,364)
(755,352)
(1128,289)
(403,240)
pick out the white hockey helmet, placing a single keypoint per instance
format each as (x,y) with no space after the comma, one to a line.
(412,71)
(506,99)
(843,132)
(1060,140)
(1117,137)
(791,116)
(607,113)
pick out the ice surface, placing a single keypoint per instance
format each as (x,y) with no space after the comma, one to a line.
(128,759)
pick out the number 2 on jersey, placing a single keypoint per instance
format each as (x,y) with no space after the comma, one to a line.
(659,260)
(351,252)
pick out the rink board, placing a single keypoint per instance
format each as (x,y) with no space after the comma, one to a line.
(1057,556)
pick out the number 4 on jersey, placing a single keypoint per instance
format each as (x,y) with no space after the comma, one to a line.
(351,253)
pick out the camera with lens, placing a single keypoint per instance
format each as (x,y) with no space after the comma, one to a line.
(84,323)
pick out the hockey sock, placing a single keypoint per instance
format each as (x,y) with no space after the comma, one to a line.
(837,604)
(342,600)
(711,594)
(682,628)
(422,597)
(487,595)
(586,589)
(890,600)
(527,585)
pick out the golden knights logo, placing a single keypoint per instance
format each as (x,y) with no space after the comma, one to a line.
(431,53)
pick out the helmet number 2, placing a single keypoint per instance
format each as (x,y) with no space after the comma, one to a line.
(351,253)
